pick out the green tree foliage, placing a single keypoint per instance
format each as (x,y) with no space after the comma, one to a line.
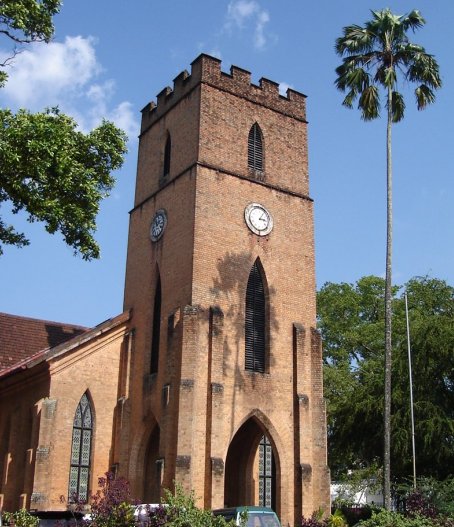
(351,319)
(49,169)
(374,58)
(57,174)
(26,21)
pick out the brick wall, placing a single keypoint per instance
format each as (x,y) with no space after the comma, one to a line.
(38,408)
(204,259)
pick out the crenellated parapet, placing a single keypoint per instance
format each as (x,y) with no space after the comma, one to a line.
(207,70)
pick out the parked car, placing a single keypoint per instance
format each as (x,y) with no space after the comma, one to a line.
(256,516)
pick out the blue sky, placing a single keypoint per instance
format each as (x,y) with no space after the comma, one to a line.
(110,58)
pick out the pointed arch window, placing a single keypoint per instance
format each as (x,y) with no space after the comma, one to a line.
(255,148)
(79,475)
(267,474)
(255,322)
(167,155)
(156,329)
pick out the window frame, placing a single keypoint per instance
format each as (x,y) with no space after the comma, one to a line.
(255,149)
(81,455)
(256,321)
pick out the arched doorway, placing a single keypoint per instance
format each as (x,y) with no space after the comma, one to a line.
(252,468)
(152,480)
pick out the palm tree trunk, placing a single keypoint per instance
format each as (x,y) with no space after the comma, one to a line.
(388,316)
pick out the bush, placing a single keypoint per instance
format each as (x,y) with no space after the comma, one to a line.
(180,510)
(356,513)
(20,518)
(418,504)
(111,506)
(432,497)
(385,518)
(337,519)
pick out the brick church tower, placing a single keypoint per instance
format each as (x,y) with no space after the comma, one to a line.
(223,392)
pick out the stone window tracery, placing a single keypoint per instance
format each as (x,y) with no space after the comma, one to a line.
(79,474)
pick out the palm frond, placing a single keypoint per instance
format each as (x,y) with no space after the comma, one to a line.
(385,23)
(356,79)
(355,39)
(386,76)
(414,20)
(349,98)
(424,68)
(397,106)
(374,55)
(369,103)
(406,52)
(424,96)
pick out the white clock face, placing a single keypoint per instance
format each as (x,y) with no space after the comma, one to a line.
(158,225)
(258,219)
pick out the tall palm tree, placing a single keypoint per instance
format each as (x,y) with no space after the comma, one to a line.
(374,58)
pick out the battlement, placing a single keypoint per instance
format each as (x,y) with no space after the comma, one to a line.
(207,69)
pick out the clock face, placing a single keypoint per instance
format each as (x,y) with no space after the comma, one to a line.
(258,219)
(158,225)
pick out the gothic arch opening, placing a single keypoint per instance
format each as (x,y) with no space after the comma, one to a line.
(257,320)
(153,469)
(255,148)
(252,470)
(81,450)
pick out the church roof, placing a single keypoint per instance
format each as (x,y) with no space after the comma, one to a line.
(22,337)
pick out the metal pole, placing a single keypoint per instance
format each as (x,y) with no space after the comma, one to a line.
(411,393)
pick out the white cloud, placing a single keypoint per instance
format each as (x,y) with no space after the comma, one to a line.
(259,37)
(46,72)
(65,74)
(124,116)
(240,10)
(242,13)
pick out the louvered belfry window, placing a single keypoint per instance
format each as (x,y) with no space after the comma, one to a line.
(79,475)
(155,338)
(255,148)
(255,334)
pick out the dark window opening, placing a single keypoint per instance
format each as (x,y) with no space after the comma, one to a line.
(255,323)
(79,475)
(255,148)
(156,329)
(167,152)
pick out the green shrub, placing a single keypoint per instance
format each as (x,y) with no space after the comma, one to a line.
(337,519)
(20,518)
(431,493)
(353,514)
(385,518)
(180,510)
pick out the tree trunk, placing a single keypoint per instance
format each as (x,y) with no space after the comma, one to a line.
(388,316)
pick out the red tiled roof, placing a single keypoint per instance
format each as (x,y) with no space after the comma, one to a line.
(22,337)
